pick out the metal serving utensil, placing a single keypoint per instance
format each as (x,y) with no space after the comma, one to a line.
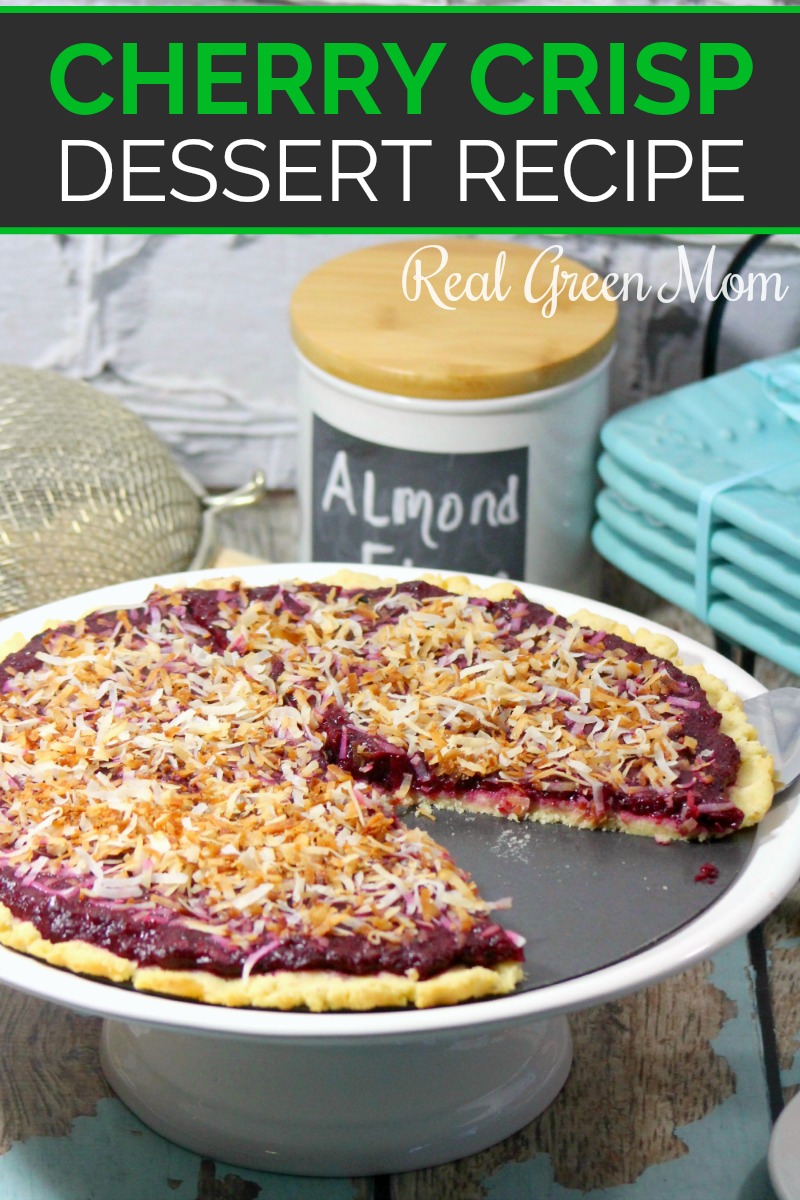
(776,717)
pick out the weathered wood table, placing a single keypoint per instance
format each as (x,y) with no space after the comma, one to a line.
(672,1096)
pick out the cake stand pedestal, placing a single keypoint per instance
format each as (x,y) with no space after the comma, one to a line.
(391,1091)
(341,1106)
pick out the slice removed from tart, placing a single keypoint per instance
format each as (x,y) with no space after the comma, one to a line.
(203,795)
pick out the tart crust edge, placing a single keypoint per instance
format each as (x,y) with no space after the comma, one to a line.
(325,991)
(754,787)
(755,783)
(318,991)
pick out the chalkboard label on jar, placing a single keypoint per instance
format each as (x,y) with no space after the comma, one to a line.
(376,504)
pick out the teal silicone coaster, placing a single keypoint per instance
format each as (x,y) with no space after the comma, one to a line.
(727,616)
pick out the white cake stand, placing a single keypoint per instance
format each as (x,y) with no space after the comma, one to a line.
(380,1092)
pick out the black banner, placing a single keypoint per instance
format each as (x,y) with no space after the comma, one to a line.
(398,118)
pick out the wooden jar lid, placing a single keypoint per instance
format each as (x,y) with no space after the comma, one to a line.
(351,318)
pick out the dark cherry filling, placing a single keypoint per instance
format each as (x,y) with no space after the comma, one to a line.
(377,761)
(158,938)
(383,763)
(708,873)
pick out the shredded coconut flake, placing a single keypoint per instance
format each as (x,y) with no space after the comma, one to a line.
(193,768)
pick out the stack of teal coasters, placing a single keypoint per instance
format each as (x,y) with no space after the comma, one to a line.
(701,502)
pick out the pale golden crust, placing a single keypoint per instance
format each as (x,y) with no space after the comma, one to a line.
(18,640)
(754,788)
(77,956)
(327,990)
(318,991)
(461,585)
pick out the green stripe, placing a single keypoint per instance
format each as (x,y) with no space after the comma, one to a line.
(642,231)
(360,9)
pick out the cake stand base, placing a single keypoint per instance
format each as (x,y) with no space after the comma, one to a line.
(338,1106)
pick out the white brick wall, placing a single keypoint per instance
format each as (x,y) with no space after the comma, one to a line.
(191,330)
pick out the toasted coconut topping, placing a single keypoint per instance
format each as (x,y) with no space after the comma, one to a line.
(148,769)
(233,759)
